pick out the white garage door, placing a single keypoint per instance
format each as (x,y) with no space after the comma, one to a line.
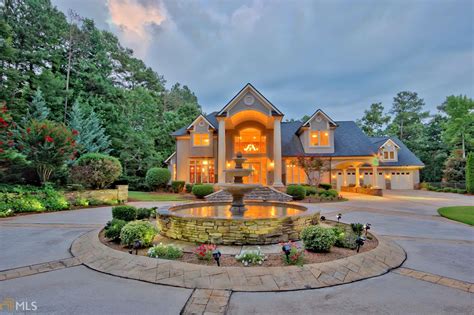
(402,180)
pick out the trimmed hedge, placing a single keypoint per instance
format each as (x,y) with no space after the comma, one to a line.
(142,231)
(310,190)
(470,173)
(189,188)
(157,177)
(202,190)
(298,192)
(96,170)
(325,186)
(126,213)
(144,213)
(113,228)
(328,194)
(318,239)
(177,186)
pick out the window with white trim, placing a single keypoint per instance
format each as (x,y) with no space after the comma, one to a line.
(201,139)
(319,138)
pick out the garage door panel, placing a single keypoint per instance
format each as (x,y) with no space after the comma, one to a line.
(402,180)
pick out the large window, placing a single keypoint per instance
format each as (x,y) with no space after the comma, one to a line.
(319,138)
(201,171)
(250,141)
(294,173)
(201,139)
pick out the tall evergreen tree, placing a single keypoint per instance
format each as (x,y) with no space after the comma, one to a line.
(91,135)
(38,109)
(374,121)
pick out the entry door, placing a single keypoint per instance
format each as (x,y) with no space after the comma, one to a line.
(255,176)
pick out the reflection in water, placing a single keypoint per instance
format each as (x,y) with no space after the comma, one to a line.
(252,212)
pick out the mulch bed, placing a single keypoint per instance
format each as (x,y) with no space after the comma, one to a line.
(273,260)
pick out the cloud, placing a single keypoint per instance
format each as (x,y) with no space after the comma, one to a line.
(134,21)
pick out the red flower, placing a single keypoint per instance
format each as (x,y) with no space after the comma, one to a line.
(10,143)
(1,142)
(48,139)
(4,109)
(75,132)
(2,120)
(1,150)
(28,130)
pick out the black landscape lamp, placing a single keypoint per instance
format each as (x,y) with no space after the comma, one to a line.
(339,217)
(360,242)
(287,250)
(367,228)
(136,245)
(323,218)
(216,254)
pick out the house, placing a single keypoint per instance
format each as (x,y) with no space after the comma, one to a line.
(251,124)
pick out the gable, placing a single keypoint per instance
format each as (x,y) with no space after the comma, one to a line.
(249,98)
(318,119)
(200,124)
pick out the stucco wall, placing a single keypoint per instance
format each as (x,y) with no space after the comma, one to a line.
(257,105)
(315,125)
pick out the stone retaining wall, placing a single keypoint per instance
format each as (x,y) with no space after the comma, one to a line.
(234,231)
(362,190)
(106,195)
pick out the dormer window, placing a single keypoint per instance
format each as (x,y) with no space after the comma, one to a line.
(388,151)
(319,138)
(389,155)
(201,139)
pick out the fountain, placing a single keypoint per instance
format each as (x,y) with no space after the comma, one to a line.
(236,223)
(238,189)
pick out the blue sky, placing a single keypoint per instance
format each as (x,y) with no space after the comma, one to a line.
(339,56)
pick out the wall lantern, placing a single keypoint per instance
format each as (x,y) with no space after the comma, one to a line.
(333,176)
(228,164)
(272,164)
(361,176)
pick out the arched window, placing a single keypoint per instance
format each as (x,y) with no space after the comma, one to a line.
(250,141)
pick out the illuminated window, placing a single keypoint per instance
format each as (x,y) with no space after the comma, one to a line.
(319,138)
(201,171)
(385,155)
(175,175)
(294,173)
(250,141)
(201,139)
(392,155)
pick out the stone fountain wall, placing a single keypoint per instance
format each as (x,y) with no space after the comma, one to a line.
(234,231)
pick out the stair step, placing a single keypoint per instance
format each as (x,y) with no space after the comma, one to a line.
(264,193)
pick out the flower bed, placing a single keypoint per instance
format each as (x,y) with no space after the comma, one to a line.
(363,190)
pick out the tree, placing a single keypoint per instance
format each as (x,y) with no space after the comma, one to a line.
(313,167)
(39,110)
(407,123)
(91,136)
(374,122)
(470,173)
(454,168)
(459,127)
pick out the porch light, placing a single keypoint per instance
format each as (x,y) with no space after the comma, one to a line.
(228,164)
(361,176)
(216,254)
(387,176)
(326,134)
(205,162)
(314,136)
(272,164)
(333,176)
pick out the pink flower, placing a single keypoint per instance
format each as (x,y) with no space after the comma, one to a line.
(48,139)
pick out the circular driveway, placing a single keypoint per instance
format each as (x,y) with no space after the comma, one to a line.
(436,278)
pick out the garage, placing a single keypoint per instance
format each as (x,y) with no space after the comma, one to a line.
(401,179)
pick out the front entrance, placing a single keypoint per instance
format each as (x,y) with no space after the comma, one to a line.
(259,174)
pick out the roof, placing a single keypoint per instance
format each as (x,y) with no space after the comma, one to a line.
(319,111)
(195,120)
(170,157)
(211,118)
(405,156)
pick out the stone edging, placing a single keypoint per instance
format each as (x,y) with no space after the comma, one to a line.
(97,256)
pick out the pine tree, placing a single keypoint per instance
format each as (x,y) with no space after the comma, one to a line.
(39,110)
(91,135)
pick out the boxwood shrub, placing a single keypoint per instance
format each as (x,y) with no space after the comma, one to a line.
(298,192)
(318,239)
(96,170)
(328,194)
(189,188)
(126,213)
(310,190)
(144,213)
(325,186)
(202,190)
(157,177)
(177,186)
(113,228)
(142,231)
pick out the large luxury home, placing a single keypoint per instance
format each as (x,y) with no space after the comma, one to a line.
(251,124)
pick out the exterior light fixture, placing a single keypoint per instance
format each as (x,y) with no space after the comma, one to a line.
(272,164)
(205,162)
(360,242)
(136,245)
(367,228)
(287,250)
(361,176)
(339,217)
(323,218)
(216,254)
(228,164)
(333,176)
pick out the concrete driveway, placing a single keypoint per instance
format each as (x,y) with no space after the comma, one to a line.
(437,248)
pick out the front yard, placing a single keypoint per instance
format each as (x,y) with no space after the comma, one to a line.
(464,214)
(156,196)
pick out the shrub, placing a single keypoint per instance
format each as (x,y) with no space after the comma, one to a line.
(325,186)
(142,231)
(298,192)
(310,190)
(144,213)
(165,251)
(189,188)
(126,213)
(22,202)
(329,194)
(157,177)
(424,185)
(251,257)
(204,251)
(96,170)
(461,191)
(202,190)
(345,238)
(81,202)
(177,186)
(54,200)
(357,228)
(470,173)
(113,229)
(95,202)
(6,213)
(318,239)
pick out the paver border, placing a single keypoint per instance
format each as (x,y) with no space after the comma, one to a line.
(95,255)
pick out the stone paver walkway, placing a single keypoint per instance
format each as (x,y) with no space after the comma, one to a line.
(209,302)
(38,268)
(92,253)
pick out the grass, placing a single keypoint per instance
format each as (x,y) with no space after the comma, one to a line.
(464,214)
(154,196)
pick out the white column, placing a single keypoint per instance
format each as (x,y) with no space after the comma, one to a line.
(344,177)
(277,153)
(221,152)
(375,177)
(357,177)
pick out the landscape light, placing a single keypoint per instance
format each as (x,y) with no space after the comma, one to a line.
(323,218)
(216,254)
(287,250)
(136,245)
(360,242)
(366,228)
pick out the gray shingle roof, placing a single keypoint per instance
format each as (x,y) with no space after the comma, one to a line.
(405,156)
(210,117)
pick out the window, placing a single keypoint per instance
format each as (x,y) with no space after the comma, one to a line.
(201,139)
(392,155)
(201,171)
(385,155)
(250,141)
(294,174)
(319,138)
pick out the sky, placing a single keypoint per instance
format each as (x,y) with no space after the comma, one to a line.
(339,56)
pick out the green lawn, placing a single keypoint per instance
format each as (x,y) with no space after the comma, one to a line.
(464,214)
(153,196)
